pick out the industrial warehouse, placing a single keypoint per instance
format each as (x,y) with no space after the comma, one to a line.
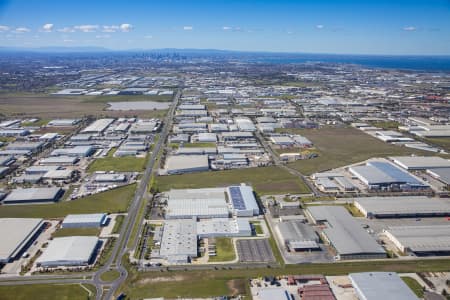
(385,175)
(16,234)
(84,220)
(211,203)
(402,207)
(33,195)
(420,240)
(380,285)
(69,252)
(298,236)
(344,233)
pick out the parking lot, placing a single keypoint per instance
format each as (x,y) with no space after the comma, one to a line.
(255,250)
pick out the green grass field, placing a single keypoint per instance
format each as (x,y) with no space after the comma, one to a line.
(45,292)
(118,225)
(342,146)
(116,200)
(414,286)
(265,180)
(77,232)
(200,145)
(110,275)
(224,250)
(118,164)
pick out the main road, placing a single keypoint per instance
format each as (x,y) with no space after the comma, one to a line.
(133,218)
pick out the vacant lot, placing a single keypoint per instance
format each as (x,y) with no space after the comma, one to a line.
(440,142)
(118,164)
(342,146)
(46,292)
(50,106)
(89,231)
(111,201)
(224,250)
(265,180)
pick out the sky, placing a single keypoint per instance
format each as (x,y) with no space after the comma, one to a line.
(316,26)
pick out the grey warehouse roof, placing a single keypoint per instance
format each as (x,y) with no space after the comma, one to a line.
(33,194)
(403,205)
(345,234)
(73,250)
(421,162)
(14,234)
(381,285)
(431,238)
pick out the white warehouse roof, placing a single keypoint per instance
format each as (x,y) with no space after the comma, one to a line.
(84,219)
(381,285)
(68,251)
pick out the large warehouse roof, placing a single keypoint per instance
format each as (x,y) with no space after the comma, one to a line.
(298,235)
(420,162)
(14,235)
(98,126)
(430,239)
(402,206)
(242,199)
(179,238)
(345,234)
(186,163)
(33,195)
(188,203)
(69,251)
(381,285)
(381,172)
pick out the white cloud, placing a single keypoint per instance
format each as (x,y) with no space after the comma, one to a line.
(409,28)
(112,28)
(47,27)
(148,37)
(22,30)
(66,29)
(126,27)
(68,41)
(4,28)
(320,26)
(227,28)
(86,28)
(188,28)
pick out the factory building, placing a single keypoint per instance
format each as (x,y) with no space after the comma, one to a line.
(179,241)
(197,203)
(385,175)
(84,220)
(243,201)
(380,285)
(33,195)
(421,240)
(69,251)
(441,174)
(77,151)
(219,227)
(16,235)
(420,162)
(99,126)
(402,207)
(344,233)
(178,164)
(298,236)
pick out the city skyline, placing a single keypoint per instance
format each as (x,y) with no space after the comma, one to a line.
(347,27)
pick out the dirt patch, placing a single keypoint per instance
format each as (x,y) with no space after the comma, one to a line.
(236,287)
(161,279)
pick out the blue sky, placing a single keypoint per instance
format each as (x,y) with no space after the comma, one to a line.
(363,27)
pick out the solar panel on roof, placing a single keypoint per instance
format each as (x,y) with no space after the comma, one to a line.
(396,173)
(236,197)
